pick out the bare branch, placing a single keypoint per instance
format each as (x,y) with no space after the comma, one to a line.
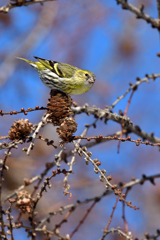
(6,8)
(158,8)
(120,232)
(134,86)
(97,198)
(102,114)
(40,124)
(139,13)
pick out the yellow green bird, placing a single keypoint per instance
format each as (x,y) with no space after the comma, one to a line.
(62,76)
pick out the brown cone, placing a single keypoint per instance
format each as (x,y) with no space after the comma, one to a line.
(24,201)
(59,107)
(20,129)
(66,129)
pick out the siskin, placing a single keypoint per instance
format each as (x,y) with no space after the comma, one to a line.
(62,76)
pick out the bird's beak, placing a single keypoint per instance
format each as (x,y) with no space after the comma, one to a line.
(91,80)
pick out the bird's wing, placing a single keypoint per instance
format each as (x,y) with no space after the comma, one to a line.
(47,63)
(63,70)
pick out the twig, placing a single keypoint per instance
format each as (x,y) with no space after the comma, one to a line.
(97,141)
(40,124)
(100,138)
(139,13)
(3,237)
(133,86)
(154,236)
(39,196)
(74,152)
(110,219)
(70,206)
(10,221)
(83,219)
(129,102)
(125,114)
(77,146)
(158,8)
(6,8)
(47,141)
(142,180)
(53,163)
(47,183)
(144,135)
(98,198)
(102,114)
(40,180)
(113,230)
(3,137)
(103,177)
(2,168)
(63,220)
(10,145)
(25,111)
(58,157)
(123,211)
(32,180)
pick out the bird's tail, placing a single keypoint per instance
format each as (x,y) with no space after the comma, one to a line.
(28,61)
(37,65)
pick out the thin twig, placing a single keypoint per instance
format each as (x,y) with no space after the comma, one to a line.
(158,8)
(32,180)
(98,198)
(10,221)
(102,114)
(113,230)
(83,219)
(103,177)
(74,152)
(133,86)
(125,114)
(123,212)
(139,13)
(63,220)
(40,124)
(6,8)
(115,137)
(42,176)
(2,168)
(110,219)
(75,205)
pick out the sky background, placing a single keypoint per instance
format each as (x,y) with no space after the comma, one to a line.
(101,37)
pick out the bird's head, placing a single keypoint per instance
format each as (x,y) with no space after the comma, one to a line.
(85,76)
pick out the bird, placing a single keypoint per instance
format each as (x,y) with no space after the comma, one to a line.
(62,76)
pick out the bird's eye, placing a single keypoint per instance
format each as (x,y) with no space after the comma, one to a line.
(86,74)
